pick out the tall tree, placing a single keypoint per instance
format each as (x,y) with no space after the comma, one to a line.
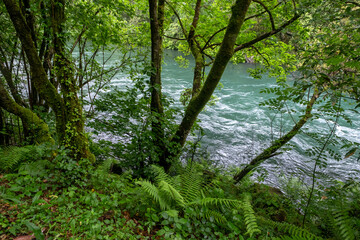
(228,46)
(156,12)
(66,106)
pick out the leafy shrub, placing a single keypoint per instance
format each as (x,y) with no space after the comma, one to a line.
(128,122)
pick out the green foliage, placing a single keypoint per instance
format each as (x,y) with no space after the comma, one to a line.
(12,157)
(189,190)
(67,171)
(343,223)
(51,211)
(250,219)
(129,121)
(290,229)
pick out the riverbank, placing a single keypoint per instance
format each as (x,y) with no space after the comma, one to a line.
(102,205)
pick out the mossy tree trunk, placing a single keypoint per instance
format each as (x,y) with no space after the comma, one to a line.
(2,128)
(199,100)
(67,108)
(38,128)
(156,12)
(196,51)
(271,151)
(74,135)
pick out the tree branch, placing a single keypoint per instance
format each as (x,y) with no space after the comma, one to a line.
(270,151)
(266,35)
(269,13)
(179,19)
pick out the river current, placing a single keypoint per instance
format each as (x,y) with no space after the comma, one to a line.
(237,129)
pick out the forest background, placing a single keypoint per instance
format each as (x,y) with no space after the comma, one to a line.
(48,95)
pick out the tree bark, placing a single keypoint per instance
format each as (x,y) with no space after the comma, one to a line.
(156,12)
(196,52)
(271,151)
(9,80)
(2,128)
(38,128)
(68,112)
(74,136)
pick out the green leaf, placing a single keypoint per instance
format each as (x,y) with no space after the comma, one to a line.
(36,230)
(350,153)
(37,196)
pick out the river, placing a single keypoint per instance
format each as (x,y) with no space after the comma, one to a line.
(237,129)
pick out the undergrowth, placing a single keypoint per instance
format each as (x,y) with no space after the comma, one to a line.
(54,197)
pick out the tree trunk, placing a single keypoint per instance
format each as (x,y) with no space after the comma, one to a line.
(198,102)
(271,151)
(2,129)
(156,12)
(39,129)
(196,52)
(68,112)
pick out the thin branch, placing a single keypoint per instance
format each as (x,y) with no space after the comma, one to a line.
(261,13)
(179,19)
(82,32)
(212,36)
(266,35)
(195,20)
(269,13)
(317,161)
(294,4)
(257,50)
(175,38)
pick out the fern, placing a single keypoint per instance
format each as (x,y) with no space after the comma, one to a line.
(161,175)
(250,219)
(342,222)
(191,184)
(172,193)
(154,192)
(218,217)
(211,202)
(11,157)
(289,238)
(294,231)
(189,190)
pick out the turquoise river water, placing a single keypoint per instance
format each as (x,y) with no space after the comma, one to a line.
(237,128)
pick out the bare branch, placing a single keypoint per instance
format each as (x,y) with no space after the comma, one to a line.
(175,38)
(269,13)
(212,36)
(179,19)
(257,50)
(266,35)
(261,13)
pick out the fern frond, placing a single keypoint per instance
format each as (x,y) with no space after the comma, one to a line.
(34,168)
(11,157)
(215,215)
(160,174)
(211,202)
(293,230)
(153,191)
(105,167)
(250,219)
(191,184)
(172,193)
(342,222)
